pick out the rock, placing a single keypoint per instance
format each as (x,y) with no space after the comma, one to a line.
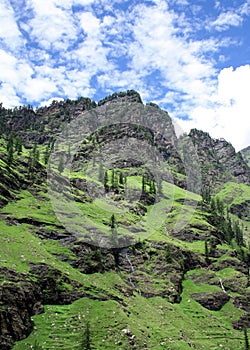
(242,322)
(242,210)
(219,160)
(23,297)
(127,331)
(211,301)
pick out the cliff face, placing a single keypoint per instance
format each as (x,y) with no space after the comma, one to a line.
(219,160)
(246,154)
(24,294)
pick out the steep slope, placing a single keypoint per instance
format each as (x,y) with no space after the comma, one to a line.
(171,270)
(246,154)
(220,163)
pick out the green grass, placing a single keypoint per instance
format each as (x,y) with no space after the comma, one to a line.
(155,323)
(234,193)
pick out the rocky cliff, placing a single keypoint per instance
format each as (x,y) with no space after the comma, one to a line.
(246,154)
(219,161)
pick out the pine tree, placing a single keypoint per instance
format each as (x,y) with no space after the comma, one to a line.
(113,178)
(114,239)
(206,251)
(10,149)
(61,165)
(206,194)
(143,184)
(101,172)
(238,233)
(105,181)
(112,221)
(85,341)
(18,145)
(35,154)
(46,155)
(246,339)
(152,188)
(220,207)
(159,185)
(121,181)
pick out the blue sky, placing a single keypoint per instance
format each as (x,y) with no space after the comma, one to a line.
(190,57)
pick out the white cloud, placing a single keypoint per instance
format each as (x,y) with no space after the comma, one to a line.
(52,27)
(9,31)
(233,17)
(181,64)
(230,119)
(227,19)
(90,24)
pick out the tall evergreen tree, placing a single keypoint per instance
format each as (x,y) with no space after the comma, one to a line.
(101,172)
(86,341)
(10,149)
(206,251)
(106,180)
(246,339)
(61,164)
(46,154)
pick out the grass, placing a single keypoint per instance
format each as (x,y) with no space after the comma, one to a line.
(155,323)
(234,193)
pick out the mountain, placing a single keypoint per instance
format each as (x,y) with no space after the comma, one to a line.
(117,234)
(246,154)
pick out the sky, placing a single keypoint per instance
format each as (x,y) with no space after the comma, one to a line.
(192,58)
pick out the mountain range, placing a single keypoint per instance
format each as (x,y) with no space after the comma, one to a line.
(118,234)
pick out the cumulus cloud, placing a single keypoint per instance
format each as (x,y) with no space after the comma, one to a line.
(230,119)
(9,31)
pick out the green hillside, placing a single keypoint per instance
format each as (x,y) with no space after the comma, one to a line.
(106,256)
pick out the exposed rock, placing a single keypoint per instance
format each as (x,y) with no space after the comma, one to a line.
(246,154)
(242,210)
(24,294)
(242,302)
(211,301)
(233,263)
(243,322)
(219,160)
(19,301)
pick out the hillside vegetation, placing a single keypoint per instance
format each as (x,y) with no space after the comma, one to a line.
(103,251)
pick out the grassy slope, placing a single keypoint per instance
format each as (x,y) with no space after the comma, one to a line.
(156,323)
(63,324)
(233,193)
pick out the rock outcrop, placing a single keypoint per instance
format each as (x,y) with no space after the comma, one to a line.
(24,294)
(219,160)
(211,301)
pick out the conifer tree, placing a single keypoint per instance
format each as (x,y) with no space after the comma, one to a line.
(238,233)
(85,341)
(46,155)
(61,164)
(106,180)
(206,251)
(18,145)
(10,150)
(121,181)
(143,184)
(246,339)
(101,172)
(114,239)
